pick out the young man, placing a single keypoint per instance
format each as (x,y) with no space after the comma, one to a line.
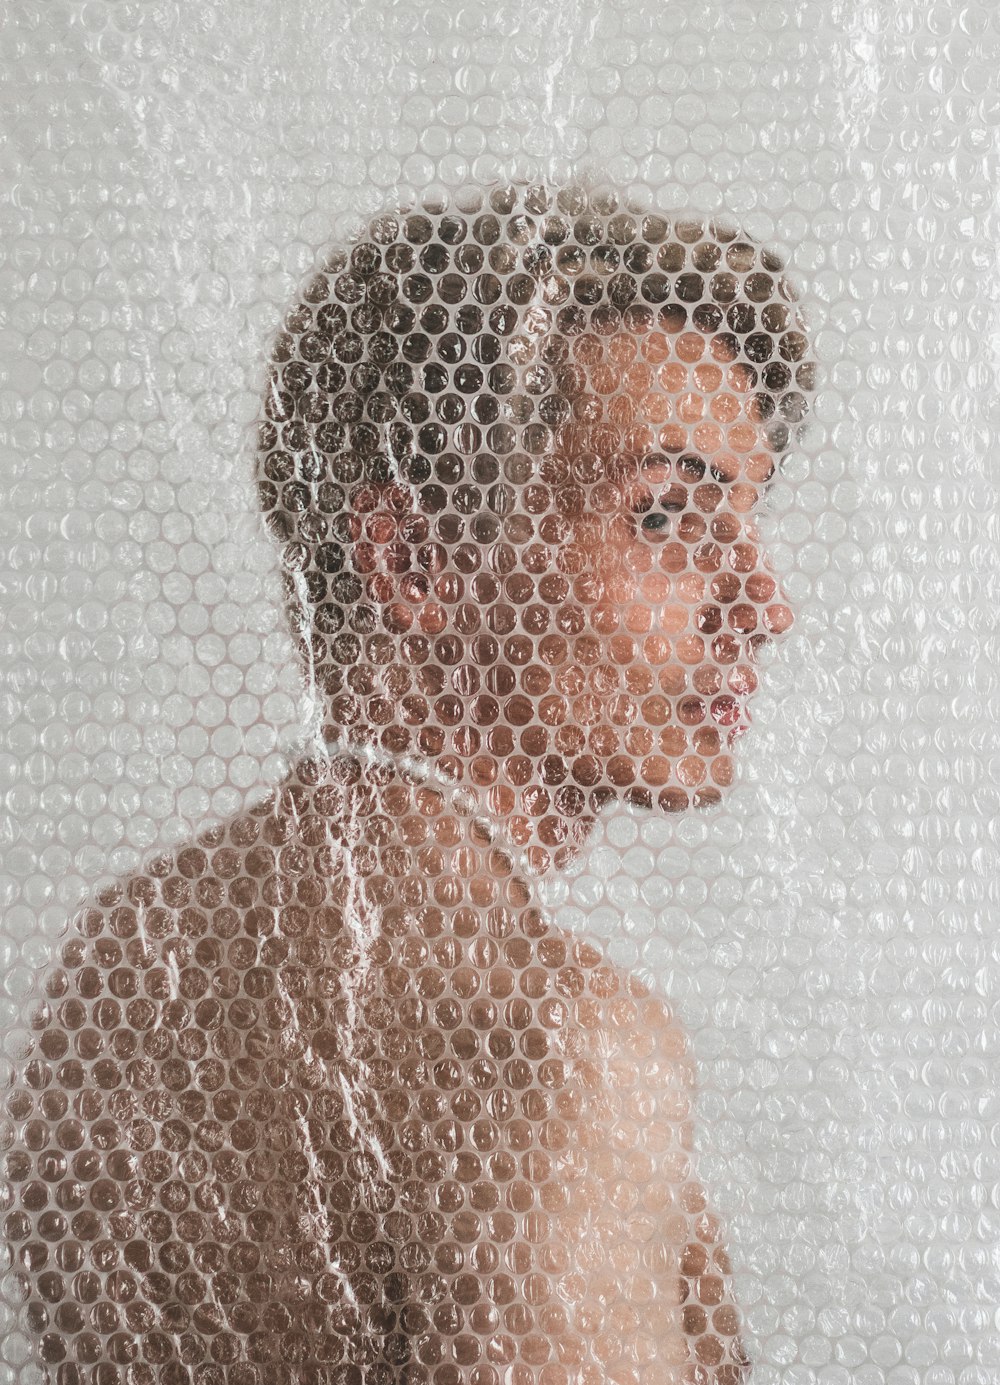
(325,1096)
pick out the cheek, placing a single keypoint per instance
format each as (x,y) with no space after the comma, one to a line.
(612,549)
(620,587)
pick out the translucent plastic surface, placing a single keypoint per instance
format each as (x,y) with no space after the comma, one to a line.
(500,696)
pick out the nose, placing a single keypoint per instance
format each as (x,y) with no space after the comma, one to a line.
(767,609)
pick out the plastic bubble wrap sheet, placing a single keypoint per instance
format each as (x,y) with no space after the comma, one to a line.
(499,695)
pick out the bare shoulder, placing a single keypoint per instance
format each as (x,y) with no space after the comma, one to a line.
(157,984)
(181,910)
(147,1115)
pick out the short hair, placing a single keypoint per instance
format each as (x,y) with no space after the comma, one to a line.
(440,350)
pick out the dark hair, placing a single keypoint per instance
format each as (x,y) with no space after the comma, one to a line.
(436,353)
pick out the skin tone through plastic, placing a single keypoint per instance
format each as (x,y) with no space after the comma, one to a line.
(326,1096)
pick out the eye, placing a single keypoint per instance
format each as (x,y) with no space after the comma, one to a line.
(650,516)
(658,492)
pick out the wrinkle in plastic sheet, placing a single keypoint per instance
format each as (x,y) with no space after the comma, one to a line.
(500,695)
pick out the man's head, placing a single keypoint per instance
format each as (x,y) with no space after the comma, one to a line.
(511,448)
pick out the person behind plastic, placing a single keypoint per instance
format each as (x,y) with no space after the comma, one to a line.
(325,1091)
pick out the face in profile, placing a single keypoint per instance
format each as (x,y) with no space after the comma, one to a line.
(514,455)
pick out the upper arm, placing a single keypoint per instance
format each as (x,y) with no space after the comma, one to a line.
(127,1164)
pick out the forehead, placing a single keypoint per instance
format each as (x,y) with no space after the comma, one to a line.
(635,397)
(686,360)
(655,347)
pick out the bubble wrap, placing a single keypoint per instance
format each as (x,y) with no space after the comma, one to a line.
(499,750)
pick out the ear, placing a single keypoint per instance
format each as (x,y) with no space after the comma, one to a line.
(384,526)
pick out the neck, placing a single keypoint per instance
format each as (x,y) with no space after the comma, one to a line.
(536,841)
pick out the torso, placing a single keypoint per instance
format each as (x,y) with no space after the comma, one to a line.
(326,1089)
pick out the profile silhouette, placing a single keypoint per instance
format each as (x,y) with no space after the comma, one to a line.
(325,1096)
